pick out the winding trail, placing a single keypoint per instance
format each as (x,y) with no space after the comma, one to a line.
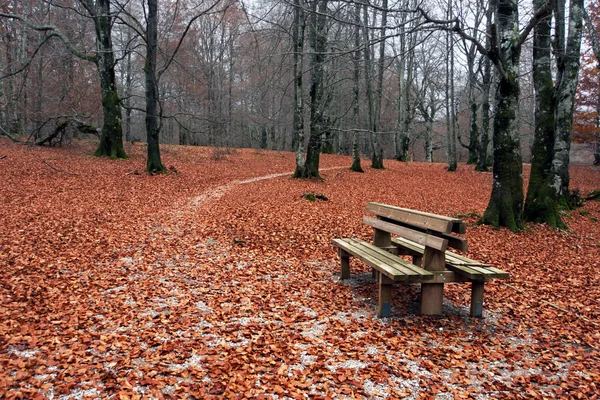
(220,191)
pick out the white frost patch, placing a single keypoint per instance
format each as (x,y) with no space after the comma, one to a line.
(116,289)
(375,390)
(202,306)
(349,364)
(22,353)
(315,330)
(80,394)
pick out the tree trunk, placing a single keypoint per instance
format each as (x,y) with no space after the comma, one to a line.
(318,121)
(482,153)
(298,129)
(154,164)
(356,167)
(401,67)
(377,156)
(111,141)
(368,81)
(549,184)
(538,206)
(568,65)
(505,207)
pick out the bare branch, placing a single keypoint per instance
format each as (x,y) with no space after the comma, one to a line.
(54,31)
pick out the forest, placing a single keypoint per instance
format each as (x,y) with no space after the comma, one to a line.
(173,174)
(491,84)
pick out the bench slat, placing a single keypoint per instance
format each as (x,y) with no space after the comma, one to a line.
(416,236)
(391,266)
(421,219)
(405,266)
(462,265)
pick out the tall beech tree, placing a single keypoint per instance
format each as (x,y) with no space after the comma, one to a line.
(587,112)
(549,183)
(505,207)
(99,12)
(319,120)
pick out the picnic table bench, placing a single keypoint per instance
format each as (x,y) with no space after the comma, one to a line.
(425,237)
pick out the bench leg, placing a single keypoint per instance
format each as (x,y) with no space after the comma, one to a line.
(417,260)
(477,299)
(345,262)
(432,295)
(385,296)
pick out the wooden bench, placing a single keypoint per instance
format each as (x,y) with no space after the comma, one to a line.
(425,237)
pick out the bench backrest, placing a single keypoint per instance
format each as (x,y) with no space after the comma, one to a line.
(430,230)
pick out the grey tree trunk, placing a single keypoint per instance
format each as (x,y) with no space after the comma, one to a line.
(111,141)
(595,41)
(368,81)
(549,184)
(298,129)
(505,207)
(318,120)
(482,153)
(377,156)
(153,164)
(568,66)
(356,167)
(537,210)
(399,154)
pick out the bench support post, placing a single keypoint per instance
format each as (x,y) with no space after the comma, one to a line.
(477,299)
(382,238)
(385,295)
(345,262)
(432,294)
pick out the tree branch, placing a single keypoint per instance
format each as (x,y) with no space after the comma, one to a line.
(54,32)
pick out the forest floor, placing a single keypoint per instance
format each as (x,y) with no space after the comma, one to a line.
(219,280)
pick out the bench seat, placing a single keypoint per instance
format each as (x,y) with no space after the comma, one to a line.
(393,267)
(461,265)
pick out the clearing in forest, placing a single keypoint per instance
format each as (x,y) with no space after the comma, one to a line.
(220,281)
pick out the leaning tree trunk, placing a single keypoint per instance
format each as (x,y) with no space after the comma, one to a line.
(538,206)
(111,141)
(154,164)
(356,167)
(505,207)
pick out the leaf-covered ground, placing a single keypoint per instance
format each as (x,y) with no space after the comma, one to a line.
(220,281)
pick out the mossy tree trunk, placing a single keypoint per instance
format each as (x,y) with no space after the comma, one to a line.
(318,101)
(505,207)
(539,206)
(153,164)
(506,201)
(111,140)
(552,179)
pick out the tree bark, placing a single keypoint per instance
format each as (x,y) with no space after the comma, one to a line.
(356,167)
(377,156)
(318,120)
(538,206)
(111,140)
(298,129)
(154,164)
(505,207)
(482,153)
(549,184)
